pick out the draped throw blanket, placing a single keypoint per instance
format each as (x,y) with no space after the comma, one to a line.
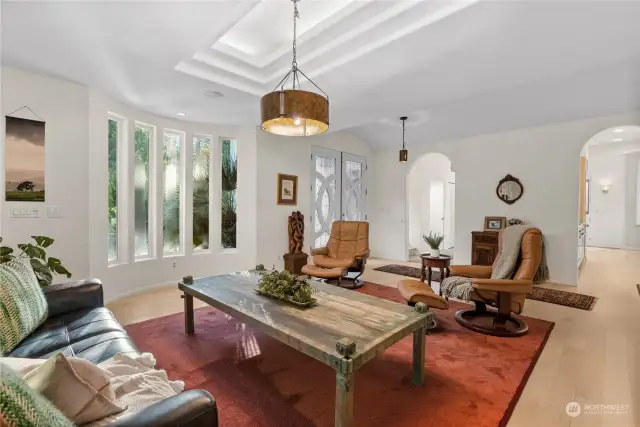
(503,267)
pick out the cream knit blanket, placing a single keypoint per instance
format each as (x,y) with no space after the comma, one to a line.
(503,267)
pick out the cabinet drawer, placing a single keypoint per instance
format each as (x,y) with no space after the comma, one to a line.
(486,238)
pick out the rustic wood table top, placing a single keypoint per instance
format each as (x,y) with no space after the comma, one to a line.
(372,323)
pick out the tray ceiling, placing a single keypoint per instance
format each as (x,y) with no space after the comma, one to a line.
(255,53)
(455,67)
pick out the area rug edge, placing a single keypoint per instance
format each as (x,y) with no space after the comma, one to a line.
(516,397)
(592,299)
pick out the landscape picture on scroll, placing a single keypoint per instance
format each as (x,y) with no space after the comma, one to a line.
(24,157)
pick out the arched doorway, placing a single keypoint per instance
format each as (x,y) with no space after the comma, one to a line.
(609,190)
(430,203)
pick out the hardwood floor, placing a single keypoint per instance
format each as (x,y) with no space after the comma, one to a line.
(592,357)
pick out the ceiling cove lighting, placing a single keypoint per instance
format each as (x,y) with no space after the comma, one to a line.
(618,140)
(182,114)
(618,130)
(294,112)
(404,153)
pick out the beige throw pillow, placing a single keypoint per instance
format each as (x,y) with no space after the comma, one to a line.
(79,389)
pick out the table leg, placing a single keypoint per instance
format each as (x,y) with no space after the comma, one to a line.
(188,314)
(344,393)
(423,274)
(429,278)
(418,356)
(442,276)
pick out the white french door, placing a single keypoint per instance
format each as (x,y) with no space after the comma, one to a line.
(338,188)
(354,191)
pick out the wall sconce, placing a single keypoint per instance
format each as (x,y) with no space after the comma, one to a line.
(605,187)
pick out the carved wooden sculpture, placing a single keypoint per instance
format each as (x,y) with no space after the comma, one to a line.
(296,232)
(295,259)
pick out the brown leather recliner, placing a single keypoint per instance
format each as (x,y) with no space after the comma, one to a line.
(347,249)
(508,295)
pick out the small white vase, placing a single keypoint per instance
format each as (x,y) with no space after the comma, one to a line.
(435,253)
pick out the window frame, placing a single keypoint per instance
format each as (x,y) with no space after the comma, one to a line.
(122,246)
(152,218)
(212,168)
(183,190)
(221,248)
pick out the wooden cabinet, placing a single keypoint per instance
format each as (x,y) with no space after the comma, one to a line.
(484,247)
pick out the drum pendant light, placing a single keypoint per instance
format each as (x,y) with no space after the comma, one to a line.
(404,153)
(294,112)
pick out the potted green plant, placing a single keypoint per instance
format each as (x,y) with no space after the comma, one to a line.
(44,267)
(434,240)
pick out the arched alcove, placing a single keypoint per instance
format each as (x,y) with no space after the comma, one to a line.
(430,202)
(609,197)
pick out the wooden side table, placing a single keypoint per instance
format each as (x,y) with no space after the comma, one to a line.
(428,262)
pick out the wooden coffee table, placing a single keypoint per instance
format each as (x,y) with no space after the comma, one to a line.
(344,330)
(428,262)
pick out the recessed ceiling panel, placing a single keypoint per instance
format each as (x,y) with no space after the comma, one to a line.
(267,30)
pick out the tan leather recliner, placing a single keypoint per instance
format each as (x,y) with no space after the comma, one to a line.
(347,248)
(508,295)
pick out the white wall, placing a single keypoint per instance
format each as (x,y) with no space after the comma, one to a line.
(607,210)
(76,181)
(430,168)
(291,155)
(545,159)
(63,105)
(132,276)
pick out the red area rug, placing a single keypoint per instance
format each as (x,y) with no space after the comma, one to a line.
(471,379)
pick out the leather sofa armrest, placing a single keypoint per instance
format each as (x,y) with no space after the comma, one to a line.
(73,296)
(192,408)
(504,285)
(320,251)
(479,271)
(363,254)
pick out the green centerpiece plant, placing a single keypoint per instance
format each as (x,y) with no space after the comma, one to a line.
(287,287)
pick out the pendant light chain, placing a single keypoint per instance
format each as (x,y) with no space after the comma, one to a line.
(403,120)
(294,63)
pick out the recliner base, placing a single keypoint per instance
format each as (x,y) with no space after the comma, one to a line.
(348,281)
(491,322)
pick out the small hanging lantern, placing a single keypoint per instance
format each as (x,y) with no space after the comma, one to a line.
(404,153)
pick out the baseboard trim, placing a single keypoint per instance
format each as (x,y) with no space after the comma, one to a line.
(137,291)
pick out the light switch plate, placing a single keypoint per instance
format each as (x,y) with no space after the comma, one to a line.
(25,211)
(54,212)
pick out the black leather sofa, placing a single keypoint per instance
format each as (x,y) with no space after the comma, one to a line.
(79,325)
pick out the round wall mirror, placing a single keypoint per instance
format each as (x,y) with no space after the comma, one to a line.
(509,189)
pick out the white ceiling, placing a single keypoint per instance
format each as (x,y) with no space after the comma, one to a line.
(456,68)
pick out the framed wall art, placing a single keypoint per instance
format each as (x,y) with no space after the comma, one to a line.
(287,189)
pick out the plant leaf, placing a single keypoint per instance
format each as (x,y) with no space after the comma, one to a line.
(5,250)
(59,269)
(42,272)
(43,241)
(53,261)
(32,251)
